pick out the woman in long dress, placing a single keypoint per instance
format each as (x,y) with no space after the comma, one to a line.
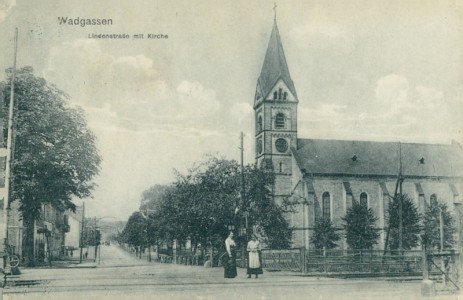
(230,263)
(254,266)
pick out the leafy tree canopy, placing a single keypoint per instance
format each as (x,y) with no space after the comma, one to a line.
(411,228)
(54,153)
(325,235)
(134,232)
(431,235)
(360,227)
(55,156)
(205,202)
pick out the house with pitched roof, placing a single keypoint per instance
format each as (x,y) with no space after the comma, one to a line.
(326,176)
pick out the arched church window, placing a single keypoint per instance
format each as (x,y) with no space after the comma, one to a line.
(364,199)
(433,200)
(275,95)
(259,124)
(280,120)
(259,146)
(285,95)
(280,93)
(326,205)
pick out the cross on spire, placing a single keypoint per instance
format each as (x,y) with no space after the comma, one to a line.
(275,11)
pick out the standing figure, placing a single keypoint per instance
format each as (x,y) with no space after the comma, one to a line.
(230,263)
(254,266)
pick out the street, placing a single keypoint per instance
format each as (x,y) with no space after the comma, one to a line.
(122,276)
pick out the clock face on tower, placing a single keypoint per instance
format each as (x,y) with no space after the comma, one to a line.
(281,145)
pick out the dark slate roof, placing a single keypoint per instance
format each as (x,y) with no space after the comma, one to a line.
(378,158)
(275,66)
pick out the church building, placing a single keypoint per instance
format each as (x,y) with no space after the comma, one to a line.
(326,176)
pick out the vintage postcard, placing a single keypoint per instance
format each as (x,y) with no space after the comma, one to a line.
(231,149)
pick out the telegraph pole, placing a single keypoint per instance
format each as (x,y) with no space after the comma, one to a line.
(82,231)
(242,185)
(400,202)
(9,151)
(244,209)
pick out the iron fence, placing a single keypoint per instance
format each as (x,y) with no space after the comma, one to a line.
(363,262)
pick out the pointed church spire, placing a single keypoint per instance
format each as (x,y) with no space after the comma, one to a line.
(275,66)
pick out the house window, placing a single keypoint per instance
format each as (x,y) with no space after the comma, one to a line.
(280,92)
(275,95)
(364,199)
(280,120)
(326,208)
(285,95)
(259,124)
(433,200)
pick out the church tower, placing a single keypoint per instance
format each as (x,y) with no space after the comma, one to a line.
(275,107)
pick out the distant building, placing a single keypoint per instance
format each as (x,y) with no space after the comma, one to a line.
(50,233)
(326,176)
(72,237)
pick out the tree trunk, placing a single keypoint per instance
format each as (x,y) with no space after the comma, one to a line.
(28,243)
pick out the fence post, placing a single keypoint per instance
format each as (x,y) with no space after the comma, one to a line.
(174,252)
(212,256)
(324,260)
(303,262)
(371,260)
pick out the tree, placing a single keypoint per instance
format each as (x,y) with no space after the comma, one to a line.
(134,232)
(152,197)
(264,213)
(325,235)
(410,223)
(360,227)
(55,156)
(431,235)
(201,205)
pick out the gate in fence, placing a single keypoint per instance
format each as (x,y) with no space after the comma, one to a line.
(283,260)
(443,270)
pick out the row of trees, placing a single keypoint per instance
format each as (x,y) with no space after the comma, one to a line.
(54,153)
(361,231)
(203,205)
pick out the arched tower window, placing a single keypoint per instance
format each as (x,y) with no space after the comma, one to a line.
(364,199)
(259,124)
(326,205)
(433,200)
(280,120)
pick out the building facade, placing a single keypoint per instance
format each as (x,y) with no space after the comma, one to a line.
(325,176)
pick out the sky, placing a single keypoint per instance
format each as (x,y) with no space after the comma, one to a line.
(363,70)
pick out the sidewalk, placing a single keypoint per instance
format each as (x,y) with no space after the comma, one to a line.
(124,274)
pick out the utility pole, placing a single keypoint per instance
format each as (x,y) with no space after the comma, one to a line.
(9,151)
(400,202)
(242,170)
(244,209)
(82,231)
